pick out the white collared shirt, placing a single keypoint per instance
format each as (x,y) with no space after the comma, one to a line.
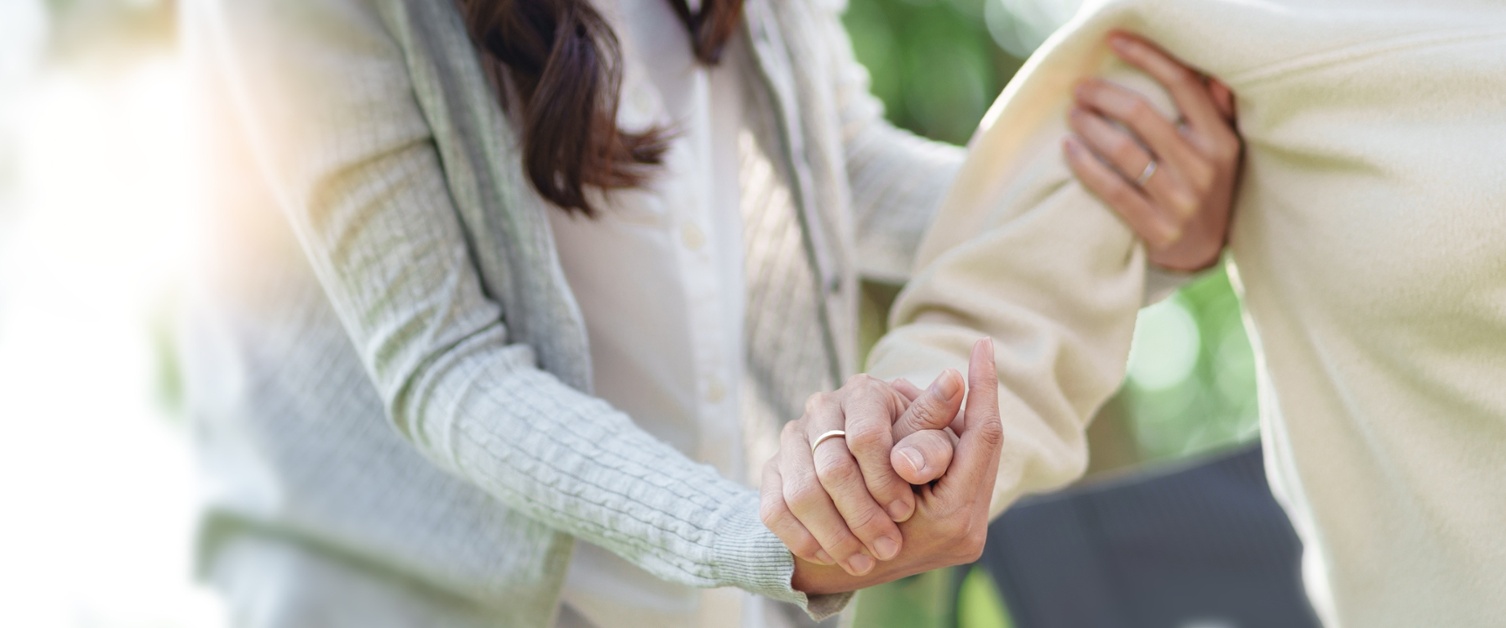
(659,279)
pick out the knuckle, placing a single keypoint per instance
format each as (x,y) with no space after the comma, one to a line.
(991,432)
(1183,201)
(1090,91)
(1180,75)
(867,523)
(772,512)
(838,472)
(818,402)
(925,414)
(859,381)
(792,429)
(803,497)
(867,437)
(1120,195)
(845,544)
(1201,178)
(810,403)
(819,415)
(1078,159)
(805,547)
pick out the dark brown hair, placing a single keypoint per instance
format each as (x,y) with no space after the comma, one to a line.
(557,67)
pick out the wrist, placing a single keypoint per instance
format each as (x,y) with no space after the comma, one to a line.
(816,579)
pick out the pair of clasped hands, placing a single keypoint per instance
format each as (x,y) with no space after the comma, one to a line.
(907,488)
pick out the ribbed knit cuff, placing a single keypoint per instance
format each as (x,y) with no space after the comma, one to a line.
(750,557)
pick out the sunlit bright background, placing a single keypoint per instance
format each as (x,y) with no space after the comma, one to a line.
(94,188)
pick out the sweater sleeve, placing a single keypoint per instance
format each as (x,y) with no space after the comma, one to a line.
(323,90)
(1020,251)
(897,178)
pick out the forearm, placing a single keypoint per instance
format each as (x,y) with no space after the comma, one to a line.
(574,463)
(1023,253)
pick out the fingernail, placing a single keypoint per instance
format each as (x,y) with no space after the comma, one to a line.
(912,455)
(899,510)
(945,385)
(1081,91)
(886,548)
(824,558)
(1120,43)
(859,564)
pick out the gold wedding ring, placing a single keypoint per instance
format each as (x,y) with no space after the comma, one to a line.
(823,437)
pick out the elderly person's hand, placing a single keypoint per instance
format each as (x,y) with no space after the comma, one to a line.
(837,503)
(1172,181)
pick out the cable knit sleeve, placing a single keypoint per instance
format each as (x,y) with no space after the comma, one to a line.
(323,89)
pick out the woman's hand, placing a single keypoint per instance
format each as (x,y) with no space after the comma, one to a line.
(1172,182)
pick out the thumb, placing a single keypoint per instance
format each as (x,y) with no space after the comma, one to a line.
(935,408)
(976,464)
(923,456)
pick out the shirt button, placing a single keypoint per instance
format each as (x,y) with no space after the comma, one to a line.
(715,392)
(692,236)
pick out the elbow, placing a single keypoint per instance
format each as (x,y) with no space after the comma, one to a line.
(425,380)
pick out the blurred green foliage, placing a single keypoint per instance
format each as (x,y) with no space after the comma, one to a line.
(932,62)
(1191,383)
(1191,388)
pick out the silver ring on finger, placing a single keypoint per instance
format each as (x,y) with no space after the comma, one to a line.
(829,434)
(1146,174)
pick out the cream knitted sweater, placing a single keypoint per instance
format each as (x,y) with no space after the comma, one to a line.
(1369,247)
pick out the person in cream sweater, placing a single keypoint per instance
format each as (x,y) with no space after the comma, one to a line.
(1368,248)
